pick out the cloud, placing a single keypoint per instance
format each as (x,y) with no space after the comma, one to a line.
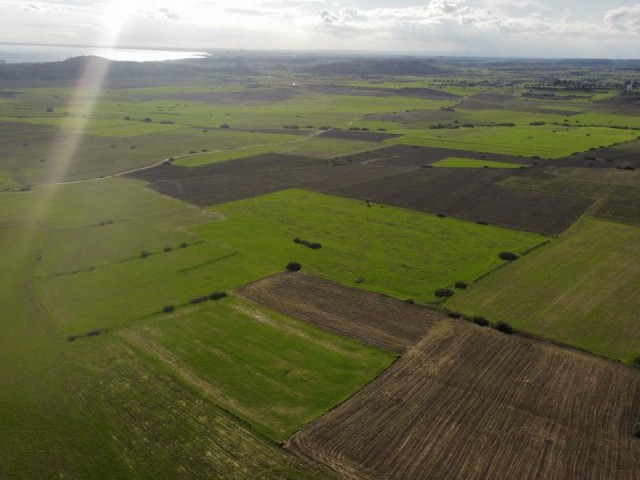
(169,14)
(623,19)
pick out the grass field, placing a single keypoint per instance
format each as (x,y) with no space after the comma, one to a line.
(578,290)
(274,372)
(396,251)
(459,162)
(548,141)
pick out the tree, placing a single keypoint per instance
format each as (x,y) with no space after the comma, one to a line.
(293,266)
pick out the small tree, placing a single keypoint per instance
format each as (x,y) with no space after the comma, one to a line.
(461,285)
(217,295)
(144,254)
(504,328)
(509,256)
(293,266)
(443,293)
(168,309)
(480,320)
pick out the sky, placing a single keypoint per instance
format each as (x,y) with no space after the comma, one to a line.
(508,28)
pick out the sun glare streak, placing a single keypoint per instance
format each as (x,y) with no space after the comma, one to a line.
(82,102)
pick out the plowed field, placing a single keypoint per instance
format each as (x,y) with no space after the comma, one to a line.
(369,318)
(476,404)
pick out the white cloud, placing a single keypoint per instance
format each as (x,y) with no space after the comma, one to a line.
(624,19)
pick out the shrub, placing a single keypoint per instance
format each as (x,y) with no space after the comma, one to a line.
(147,120)
(441,215)
(217,295)
(359,280)
(50,110)
(480,320)
(313,245)
(196,300)
(444,293)
(297,240)
(183,245)
(636,361)
(504,328)
(167,249)
(293,266)
(225,125)
(454,314)
(480,222)
(144,254)
(461,285)
(168,309)
(509,256)
(410,301)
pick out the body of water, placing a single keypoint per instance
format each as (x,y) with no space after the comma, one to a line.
(41,53)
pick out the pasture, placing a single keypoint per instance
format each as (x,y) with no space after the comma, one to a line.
(579,290)
(458,162)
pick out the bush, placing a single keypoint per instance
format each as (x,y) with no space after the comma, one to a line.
(480,222)
(410,301)
(168,309)
(454,314)
(50,110)
(196,300)
(636,361)
(480,320)
(217,295)
(441,215)
(444,293)
(167,249)
(225,125)
(293,266)
(297,240)
(144,254)
(504,328)
(509,256)
(461,285)
(183,245)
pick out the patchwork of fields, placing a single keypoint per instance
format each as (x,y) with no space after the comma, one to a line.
(147,315)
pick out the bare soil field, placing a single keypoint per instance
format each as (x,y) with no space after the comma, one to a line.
(367,317)
(251,177)
(269,95)
(390,175)
(359,135)
(469,402)
(413,155)
(427,93)
(472,195)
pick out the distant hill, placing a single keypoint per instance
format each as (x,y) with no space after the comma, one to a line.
(70,70)
(377,67)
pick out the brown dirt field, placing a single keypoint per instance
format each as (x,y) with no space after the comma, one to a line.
(427,93)
(470,194)
(359,135)
(390,175)
(492,97)
(366,317)
(471,403)
(271,95)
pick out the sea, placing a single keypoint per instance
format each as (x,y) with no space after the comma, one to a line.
(15,53)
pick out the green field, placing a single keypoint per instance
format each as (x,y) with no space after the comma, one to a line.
(274,372)
(549,141)
(581,290)
(458,162)
(396,251)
